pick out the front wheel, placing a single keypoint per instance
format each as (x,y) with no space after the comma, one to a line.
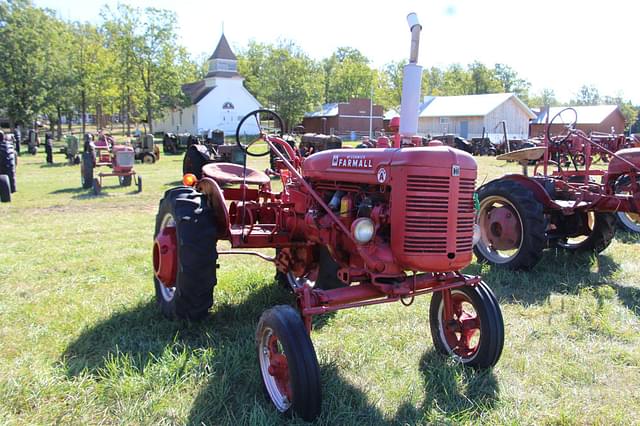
(124,180)
(149,159)
(288,363)
(470,328)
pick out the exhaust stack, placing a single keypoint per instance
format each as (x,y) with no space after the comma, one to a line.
(411,83)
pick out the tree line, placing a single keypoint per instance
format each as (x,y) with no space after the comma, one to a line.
(131,66)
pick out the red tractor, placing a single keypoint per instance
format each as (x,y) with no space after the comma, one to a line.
(105,153)
(572,208)
(350,228)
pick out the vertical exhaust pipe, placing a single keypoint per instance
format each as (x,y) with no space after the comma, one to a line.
(411,82)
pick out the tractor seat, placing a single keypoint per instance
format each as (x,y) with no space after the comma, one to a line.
(524,154)
(229,174)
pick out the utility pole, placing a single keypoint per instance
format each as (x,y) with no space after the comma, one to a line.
(371,113)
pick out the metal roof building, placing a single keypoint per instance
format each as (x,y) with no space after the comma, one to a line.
(471,116)
(591,118)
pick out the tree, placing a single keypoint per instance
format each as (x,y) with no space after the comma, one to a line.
(25,34)
(483,80)
(349,76)
(511,82)
(545,98)
(455,81)
(587,95)
(120,28)
(282,77)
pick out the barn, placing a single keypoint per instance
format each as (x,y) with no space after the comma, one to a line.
(217,102)
(593,118)
(344,118)
(470,116)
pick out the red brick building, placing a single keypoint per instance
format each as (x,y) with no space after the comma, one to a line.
(343,118)
(597,118)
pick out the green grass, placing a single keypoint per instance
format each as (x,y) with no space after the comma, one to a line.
(83,343)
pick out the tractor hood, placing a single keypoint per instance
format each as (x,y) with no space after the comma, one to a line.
(369,166)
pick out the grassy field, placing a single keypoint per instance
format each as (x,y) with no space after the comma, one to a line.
(83,343)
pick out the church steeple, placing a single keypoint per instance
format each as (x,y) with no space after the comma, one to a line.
(223,62)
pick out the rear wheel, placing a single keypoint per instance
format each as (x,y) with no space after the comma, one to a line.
(97,188)
(124,180)
(86,170)
(5,189)
(288,363)
(184,255)
(598,230)
(194,159)
(628,221)
(139,183)
(471,328)
(8,162)
(512,225)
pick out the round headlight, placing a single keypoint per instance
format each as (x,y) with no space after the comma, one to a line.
(363,230)
(476,233)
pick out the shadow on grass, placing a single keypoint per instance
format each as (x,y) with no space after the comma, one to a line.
(53,165)
(627,237)
(221,351)
(461,393)
(558,272)
(75,190)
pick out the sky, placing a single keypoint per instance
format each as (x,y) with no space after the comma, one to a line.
(559,45)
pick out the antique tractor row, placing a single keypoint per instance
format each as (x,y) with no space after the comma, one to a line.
(104,153)
(569,208)
(351,228)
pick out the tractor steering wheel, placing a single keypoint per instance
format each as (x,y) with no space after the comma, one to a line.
(572,125)
(254,127)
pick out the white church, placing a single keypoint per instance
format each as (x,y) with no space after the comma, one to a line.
(217,102)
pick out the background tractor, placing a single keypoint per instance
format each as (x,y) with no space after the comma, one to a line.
(572,208)
(105,153)
(350,228)
(145,149)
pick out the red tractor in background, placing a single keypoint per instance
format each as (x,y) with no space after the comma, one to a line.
(105,153)
(572,208)
(351,228)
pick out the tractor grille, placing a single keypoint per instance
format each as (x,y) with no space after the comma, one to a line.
(431,212)
(125,158)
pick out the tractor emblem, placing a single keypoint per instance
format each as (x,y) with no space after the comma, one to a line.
(382,175)
(455,170)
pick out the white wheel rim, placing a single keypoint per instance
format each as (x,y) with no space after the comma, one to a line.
(631,221)
(443,337)
(167,292)
(280,400)
(484,246)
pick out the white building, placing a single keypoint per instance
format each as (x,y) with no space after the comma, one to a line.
(468,115)
(217,102)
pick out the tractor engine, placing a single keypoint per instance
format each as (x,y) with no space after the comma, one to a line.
(409,209)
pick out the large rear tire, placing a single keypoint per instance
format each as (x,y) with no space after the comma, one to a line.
(288,363)
(194,159)
(474,334)
(5,189)
(512,224)
(185,214)
(8,162)
(601,230)
(86,170)
(627,221)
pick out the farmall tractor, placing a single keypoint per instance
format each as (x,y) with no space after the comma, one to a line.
(572,208)
(105,153)
(351,228)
